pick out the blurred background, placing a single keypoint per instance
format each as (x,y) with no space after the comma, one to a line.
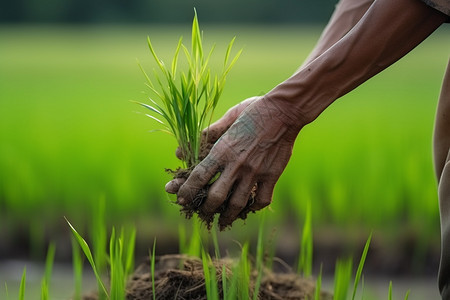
(70,138)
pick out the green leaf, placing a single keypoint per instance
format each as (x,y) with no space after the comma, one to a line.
(22,284)
(175,58)
(361,265)
(87,252)
(152,266)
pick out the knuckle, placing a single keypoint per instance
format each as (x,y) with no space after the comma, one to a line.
(261,203)
(216,195)
(236,206)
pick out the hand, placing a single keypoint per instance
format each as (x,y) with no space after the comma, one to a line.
(253,152)
(210,136)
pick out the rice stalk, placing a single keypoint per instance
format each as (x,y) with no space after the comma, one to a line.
(184,102)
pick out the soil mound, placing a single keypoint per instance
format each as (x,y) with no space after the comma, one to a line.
(181,277)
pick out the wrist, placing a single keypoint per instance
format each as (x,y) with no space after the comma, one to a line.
(305,94)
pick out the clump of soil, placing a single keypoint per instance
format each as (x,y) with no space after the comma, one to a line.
(181,277)
(195,207)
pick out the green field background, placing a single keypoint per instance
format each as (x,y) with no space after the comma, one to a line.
(69,135)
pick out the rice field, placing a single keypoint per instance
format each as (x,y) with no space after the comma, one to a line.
(70,137)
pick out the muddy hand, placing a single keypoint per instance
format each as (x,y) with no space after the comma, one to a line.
(254,151)
(218,128)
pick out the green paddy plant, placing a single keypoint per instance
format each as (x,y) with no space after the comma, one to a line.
(183,101)
(23,284)
(45,294)
(120,259)
(77,263)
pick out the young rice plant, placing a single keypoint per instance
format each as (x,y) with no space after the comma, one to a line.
(184,102)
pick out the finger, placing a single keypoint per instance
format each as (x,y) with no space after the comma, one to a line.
(179,153)
(237,202)
(263,195)
(199,177)
(211,134)
(173,186)
(218,192)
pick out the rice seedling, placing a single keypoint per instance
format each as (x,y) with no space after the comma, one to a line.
(306,247)
(193,245)
(152,268)
(77,264)
(45,295)
(121,261)
(6,291)
(22,284)
(209,271)
(318,285)
(185,102)
(259,256)
(342,277)
(99,235)
(360,266)
(87,252)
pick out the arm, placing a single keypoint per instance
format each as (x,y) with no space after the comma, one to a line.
(345,16)
(257,147)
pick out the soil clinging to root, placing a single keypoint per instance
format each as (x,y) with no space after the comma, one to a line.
(182,277)
(195,207)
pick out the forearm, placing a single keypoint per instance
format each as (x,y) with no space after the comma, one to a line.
(388,31)
(346,14)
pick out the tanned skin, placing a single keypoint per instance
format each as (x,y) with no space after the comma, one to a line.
(257,135)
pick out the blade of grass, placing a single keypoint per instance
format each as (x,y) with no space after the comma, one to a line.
(361,266)
(342,279)
(77,269)
(44,290)
(129,252)
(22,284)
(209,272)
(87,252)
(49,261)
(390,291)
(244,274)
(318,285)
(259,256)
(152,267)
(175,58)
(117,273)
(306,246)
(407,295)
(48,272)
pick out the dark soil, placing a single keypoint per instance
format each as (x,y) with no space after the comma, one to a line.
(181,277)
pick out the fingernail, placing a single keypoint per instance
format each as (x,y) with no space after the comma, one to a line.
(181,201)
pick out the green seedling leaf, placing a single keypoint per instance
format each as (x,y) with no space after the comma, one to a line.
(407,295)
(175,58)
(318,285)
(22,284)
(87,252)
(342,279)
(187,99)
(152,266)
(259,256)
(77,269)
(360,266)
(390,291)
(44,290)
(306,249)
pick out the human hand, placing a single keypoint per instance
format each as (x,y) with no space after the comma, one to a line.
(250,157)
(210,136)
